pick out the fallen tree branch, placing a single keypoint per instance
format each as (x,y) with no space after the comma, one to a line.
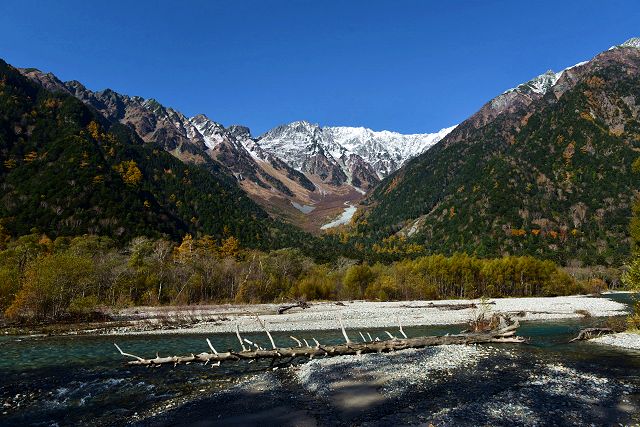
(441,306)
(302,304)
(589,333)
(346,337)
(264,326)
(504,334)
(240,338)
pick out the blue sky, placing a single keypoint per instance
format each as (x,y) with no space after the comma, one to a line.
(408,66)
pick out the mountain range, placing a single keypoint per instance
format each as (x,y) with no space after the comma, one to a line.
(298,171)
(543,169)
(68,169)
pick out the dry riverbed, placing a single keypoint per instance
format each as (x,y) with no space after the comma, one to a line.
(356,314)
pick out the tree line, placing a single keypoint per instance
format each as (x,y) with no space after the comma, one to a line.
(75,277)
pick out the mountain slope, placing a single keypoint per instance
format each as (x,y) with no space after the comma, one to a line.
(192,140)
(304,180)
(542,169)
(67,170)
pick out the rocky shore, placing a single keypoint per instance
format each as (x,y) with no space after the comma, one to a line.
(446,385)
(628,340)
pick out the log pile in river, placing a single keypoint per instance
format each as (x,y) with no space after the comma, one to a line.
(505,332)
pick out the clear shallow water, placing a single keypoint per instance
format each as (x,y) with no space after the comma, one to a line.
(82,380)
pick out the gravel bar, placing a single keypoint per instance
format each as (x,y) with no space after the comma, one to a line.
(623,339)
(358,314)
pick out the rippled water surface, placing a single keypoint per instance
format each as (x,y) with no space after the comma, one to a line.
(82,380)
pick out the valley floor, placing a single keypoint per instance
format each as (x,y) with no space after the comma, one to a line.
(355,315)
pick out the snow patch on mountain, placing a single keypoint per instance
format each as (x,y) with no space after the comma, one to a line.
(358,151)
(213,133)
(542,83)
(632,42)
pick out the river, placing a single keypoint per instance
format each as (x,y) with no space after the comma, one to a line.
(82,380)
(344,218)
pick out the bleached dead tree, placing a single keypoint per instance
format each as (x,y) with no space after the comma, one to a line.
(505,332)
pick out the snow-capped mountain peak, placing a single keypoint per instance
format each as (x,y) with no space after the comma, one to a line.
(632,42)
(544,82)
(357,151)
(539,85)
(213,133)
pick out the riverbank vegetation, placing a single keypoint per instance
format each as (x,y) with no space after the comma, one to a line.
(74,277)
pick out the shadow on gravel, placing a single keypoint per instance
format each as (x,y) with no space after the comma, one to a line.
(278,407)
(499,390)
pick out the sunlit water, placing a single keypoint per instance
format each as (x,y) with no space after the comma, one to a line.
(83,380)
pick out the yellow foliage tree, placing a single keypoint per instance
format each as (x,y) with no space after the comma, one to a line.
(30,157)
(184,252)
(129,171)
(51,103)
(230,247)
(207,245)
(85,160)
(94,130)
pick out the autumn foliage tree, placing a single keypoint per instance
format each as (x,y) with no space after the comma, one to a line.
(65,278)
(51,285)
(129,171)
(631,278)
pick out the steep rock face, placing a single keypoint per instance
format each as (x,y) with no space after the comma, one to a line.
(363,156)
(363,174)
(299,164)
(544,169)
(193,140)
(323,165)
(301,145)
(240,132)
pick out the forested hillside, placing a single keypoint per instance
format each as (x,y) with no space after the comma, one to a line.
(65,170)
(543,172)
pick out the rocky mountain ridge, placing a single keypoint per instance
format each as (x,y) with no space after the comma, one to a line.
(68,170)
(355,155)
(324,171)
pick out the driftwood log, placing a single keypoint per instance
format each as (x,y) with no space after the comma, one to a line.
(504,334)
(301,304)
(463,306)
(589,333)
